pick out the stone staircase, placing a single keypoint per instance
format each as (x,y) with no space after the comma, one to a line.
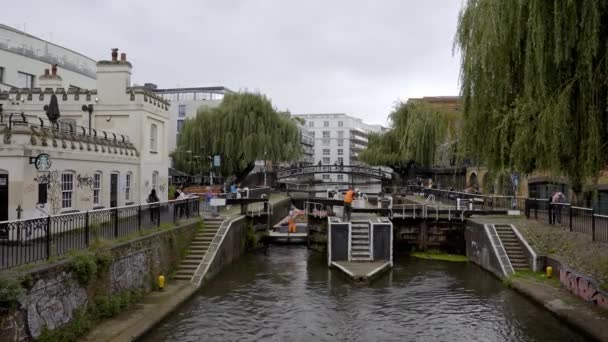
(513,247)
(360,240)
(198,248)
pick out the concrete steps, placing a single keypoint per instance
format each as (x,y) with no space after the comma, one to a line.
(359,244)
(513,247)
(198,248)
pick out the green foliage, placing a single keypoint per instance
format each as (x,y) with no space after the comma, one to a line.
(11,292)
(171,192)
(244,128)
(103,307)
(84,266)
(418,130)
(534,85)
(251,239)
(80,324)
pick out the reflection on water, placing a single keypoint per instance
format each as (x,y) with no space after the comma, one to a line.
(291,295)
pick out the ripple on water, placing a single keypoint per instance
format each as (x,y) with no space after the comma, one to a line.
(290,295)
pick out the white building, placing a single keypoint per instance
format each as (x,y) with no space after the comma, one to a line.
(338,139)
(23,57)
(185,103)
(118,161)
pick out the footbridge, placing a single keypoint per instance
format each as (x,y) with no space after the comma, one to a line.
(342,169)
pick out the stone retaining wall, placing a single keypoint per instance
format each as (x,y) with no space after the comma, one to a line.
(480,250)
(54,293)
(579,284)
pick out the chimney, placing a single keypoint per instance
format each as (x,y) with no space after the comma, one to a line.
(50,79)
(46,73)
(123,57)
(114,77)
(114,55)
(54,69)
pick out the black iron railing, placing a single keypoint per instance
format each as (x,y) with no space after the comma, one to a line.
(31,240)
(576,219)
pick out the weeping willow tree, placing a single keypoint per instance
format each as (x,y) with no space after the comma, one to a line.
(534,85)
(418,129)
(244,128)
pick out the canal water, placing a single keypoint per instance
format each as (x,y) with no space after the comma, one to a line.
(289,294)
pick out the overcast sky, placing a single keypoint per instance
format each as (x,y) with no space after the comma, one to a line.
(355,57)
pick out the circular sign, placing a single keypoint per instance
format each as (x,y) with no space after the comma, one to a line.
(43,162)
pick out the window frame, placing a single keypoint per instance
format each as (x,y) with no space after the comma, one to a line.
(181,111)
(128,185)
(97,188)
(326,161)
(326,152)
(340,151)
(325,123)
(65,199)
(340,123)
(153,138)
(326,134)
(31,77)
(155,180)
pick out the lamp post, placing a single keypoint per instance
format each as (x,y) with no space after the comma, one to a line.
(89,109)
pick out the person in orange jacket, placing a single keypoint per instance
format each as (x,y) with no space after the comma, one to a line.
(291,222)
(348,204)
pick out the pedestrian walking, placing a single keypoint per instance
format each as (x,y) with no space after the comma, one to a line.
(153,207)
(558,199)
(348,204)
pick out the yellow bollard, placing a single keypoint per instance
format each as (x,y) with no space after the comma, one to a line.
(549,271)
(161,282)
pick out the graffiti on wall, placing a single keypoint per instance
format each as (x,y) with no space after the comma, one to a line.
(129,272)
(53,186)
(84,182)
(583,287)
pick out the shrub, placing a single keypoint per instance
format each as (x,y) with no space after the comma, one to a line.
(84,266)
(11,292)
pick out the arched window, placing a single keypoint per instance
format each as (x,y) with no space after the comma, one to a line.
(67,189)
(97,188)
(155,180)
(153,137)
(128,181)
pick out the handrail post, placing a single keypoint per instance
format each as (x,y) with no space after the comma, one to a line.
(592,224)
(86,229)
(48,237)
(116,223)
(570,214)
(139,217)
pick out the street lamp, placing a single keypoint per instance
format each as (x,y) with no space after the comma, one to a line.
(210,170)
(265,168)
(88,108)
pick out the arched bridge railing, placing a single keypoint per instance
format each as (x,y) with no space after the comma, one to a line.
(346,169)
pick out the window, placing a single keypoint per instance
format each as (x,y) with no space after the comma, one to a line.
(128,186)
(340,134)
(311,124)
(325,151)
(340,142)
(153,133)
(326,160)
(340,177)
(97,188)
(325,123)
(181,111)
(154,180)
(25,80)
(1,74)
(312,134)
(326,142)
(340,160)
(340,152)
(180,125)
(340,123)
(325,177)
(67,189)
(325,134)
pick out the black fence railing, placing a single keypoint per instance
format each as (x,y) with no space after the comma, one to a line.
(31,240)
(576,219)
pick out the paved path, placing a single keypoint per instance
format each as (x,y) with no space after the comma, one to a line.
(150,311)
(582,315)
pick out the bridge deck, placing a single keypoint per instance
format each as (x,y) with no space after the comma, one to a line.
(362,271)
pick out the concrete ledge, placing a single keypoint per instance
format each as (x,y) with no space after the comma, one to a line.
(580,315)
(362,271)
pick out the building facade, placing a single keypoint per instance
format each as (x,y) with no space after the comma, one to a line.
(107,149)
(338,139)
(185,103)
(23,57)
